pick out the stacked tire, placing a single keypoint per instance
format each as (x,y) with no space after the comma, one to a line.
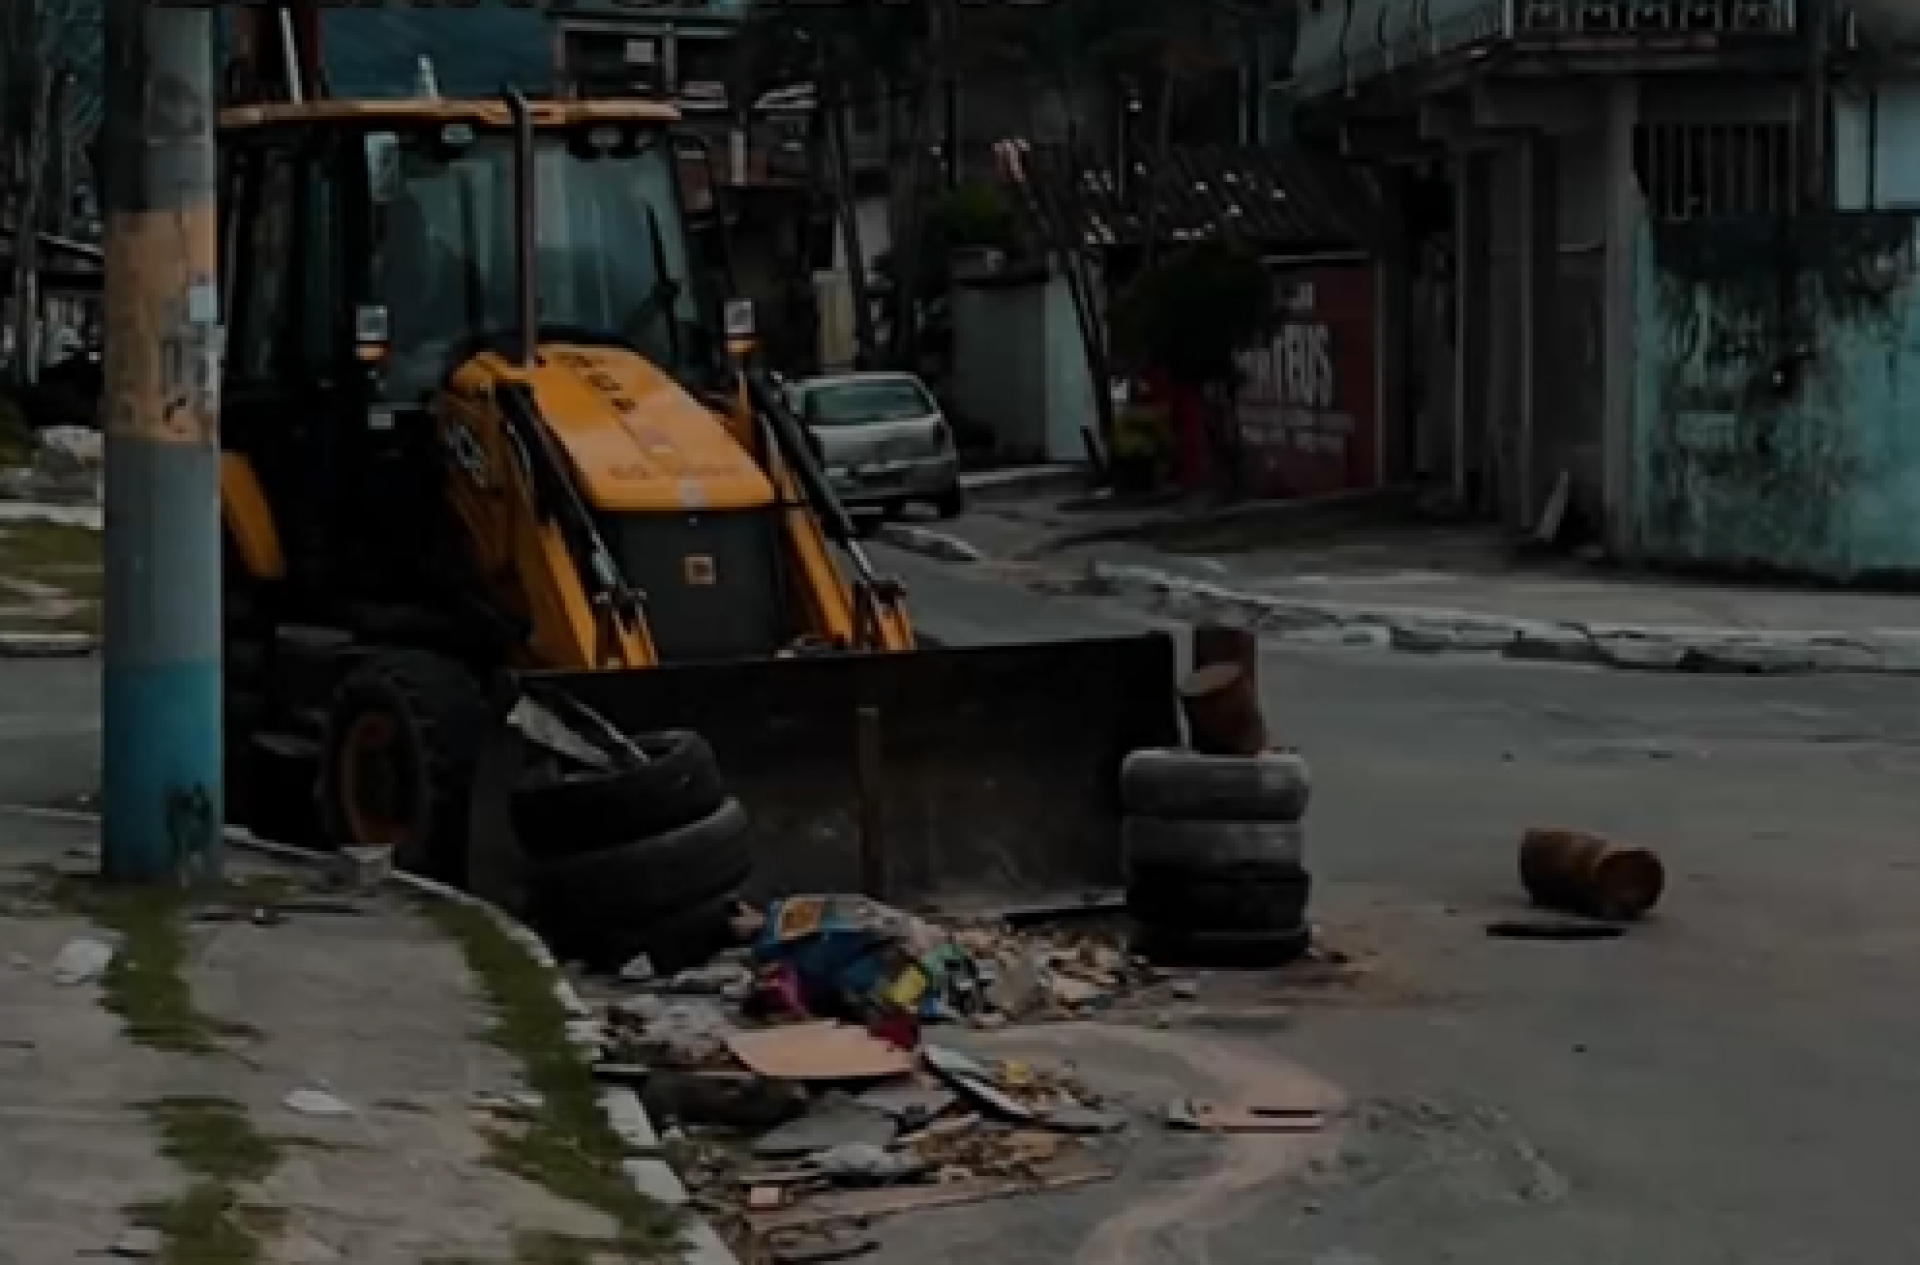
(1215,854)
(647,858)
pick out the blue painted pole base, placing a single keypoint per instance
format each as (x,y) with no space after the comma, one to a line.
(162,798)
(161,782)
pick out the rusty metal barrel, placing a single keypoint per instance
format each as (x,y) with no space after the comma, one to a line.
(1223,711)
(1585,874)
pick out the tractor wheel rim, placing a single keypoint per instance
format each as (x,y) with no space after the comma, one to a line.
(373,782)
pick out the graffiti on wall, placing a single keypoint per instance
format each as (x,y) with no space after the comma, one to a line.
(1305,409)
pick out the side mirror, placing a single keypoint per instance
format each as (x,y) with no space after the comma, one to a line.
(737,318)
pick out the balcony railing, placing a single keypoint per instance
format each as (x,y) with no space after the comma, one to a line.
(1344,43)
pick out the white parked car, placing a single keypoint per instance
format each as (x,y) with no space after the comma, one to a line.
(884,441)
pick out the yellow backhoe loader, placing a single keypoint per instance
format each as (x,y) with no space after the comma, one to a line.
(487,440)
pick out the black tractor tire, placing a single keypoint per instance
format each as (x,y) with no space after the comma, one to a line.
(672,942)
(584,810)
(1251,897)
(434,710)
(1179,949)
(1178,785)
(1209,847)
(632,886)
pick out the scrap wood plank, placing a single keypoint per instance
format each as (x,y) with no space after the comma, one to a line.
(890,1201)
(1209,1117)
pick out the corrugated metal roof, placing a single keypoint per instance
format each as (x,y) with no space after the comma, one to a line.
(1273,198)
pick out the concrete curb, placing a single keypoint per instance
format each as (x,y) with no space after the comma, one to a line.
(1183,522)
(15,645)
(650,1175)
(1421,630)
(1025,483)
(929,543)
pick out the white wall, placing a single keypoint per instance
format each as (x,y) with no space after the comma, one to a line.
(876,233)
(1070,403)
(1018,368)
(999,364)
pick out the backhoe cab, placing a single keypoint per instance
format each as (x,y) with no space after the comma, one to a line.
(482,388)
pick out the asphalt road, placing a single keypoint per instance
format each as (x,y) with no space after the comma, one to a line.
(49,729)
(1737,1082)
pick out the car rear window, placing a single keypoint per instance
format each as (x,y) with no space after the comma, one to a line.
(855,403)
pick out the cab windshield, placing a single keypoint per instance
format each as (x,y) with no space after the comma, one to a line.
(610,248)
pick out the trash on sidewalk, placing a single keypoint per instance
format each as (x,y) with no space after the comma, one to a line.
(800,1064)
(1016,1091)
(316,1102)
(670,1033)
(1585,874)
(81,961)
(835,1121)
(853,958)
(1209,1117)
(819,1051)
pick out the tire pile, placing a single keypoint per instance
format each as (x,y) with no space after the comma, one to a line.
(1215,841)
(645,858)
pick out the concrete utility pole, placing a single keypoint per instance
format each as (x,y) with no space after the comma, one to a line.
(162,794)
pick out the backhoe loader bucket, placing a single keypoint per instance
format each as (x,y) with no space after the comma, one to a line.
(956,777)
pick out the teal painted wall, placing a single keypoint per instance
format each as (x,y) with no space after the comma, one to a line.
(1777,404)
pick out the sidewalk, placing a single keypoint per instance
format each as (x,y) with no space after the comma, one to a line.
(1438,590)
(285,1074)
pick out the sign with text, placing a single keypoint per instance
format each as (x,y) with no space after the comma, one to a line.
(1308,408)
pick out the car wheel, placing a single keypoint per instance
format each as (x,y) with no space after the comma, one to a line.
(951,504)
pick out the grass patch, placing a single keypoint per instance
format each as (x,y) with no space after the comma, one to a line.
(213,1139)
(35,547)
(60,557)
(145,984)
(566,1145)
(208,1225)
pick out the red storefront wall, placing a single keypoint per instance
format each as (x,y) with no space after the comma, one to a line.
(1309,402)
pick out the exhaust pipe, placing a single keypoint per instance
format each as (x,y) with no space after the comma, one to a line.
(526,278)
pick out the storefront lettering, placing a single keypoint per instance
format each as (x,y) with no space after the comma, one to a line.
(1289,396)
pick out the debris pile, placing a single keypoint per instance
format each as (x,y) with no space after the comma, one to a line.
(801,1074)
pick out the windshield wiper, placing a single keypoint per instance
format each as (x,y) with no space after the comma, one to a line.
(663,294)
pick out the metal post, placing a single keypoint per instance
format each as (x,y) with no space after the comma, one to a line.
(163,795)
(1816,43)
